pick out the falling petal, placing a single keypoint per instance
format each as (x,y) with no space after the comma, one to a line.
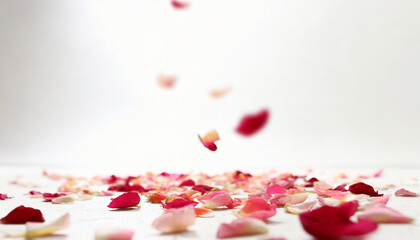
(218,93)
(180,4)
(252,123)
(209,139)
(166,81)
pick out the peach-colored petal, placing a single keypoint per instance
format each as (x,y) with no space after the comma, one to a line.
(114,234)
(332,202)
(42,229)
(64,199)
(257,208)
(300,208)
(209,139)
(322,185)
(242,227)
(218,199)
(202,211)
(283,199)
(383,214)
(405,193)
(218,93)
(166,81)
(175,220)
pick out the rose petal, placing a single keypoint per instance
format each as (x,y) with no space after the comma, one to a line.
(3,196)
(127,188)
(209,139)
(363,188)
(218,93)
(202,188)
(202,211)
(49,196)
(129,199)
(283,199)
(166,81)
(334,222)
(42,229)
(383,214)
(330,193)
(114,234)
(178,4)
(157,197)
(64,199)
(276,189)
(188,182)
(218,199)
(257,208)
(242,227)
(175,220)
(178,203)
(300,208)
(22,214)
(381,200)
(252,123)
(405,193)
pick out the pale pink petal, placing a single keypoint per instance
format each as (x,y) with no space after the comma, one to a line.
(378,173)
(323,185)
(166,81)
(383,214)
(300,208)
(283,199)
(242,227)
(405,193)
(331,193)
(175,220)
(114,234)
(332,202)
(381,200)
(218,199)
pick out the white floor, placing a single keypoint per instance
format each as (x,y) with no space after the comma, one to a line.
(87,216)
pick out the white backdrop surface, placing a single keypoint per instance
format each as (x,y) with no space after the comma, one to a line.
(341,79)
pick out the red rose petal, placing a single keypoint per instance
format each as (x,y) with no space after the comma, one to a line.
(188,183)
(49,196)
(334,222)
(22,215)
(127,188)
(178,203)
(363,188)
(209,139)
(179,4)
(202,188)
(129,199)
(252,123)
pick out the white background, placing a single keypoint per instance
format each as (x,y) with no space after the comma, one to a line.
(341,78)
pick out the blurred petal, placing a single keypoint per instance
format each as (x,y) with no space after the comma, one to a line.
(383,214)
(334,222)
(257,208)
(242,227)
(300,208)
(64,199)
(202,211)
(218,199)
(363,188)
(175,220)
(42,229)
(114,234)
(276,189)
(405,193)
(166,81)
(218,93)
(283,199)
(252,123)
(178,203)
(179,4)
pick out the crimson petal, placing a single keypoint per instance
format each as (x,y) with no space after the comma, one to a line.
(22,215)
(363,188)
(129,199)
(252,123)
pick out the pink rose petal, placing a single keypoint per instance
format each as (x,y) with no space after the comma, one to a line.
(175,220)
(405,193)
(331,193)
(129,199)
(180,4)
(252,123)
(257,208)
(242,227)
(218,199)
(383,214)
(276,189)
(178,203)
(166,81)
